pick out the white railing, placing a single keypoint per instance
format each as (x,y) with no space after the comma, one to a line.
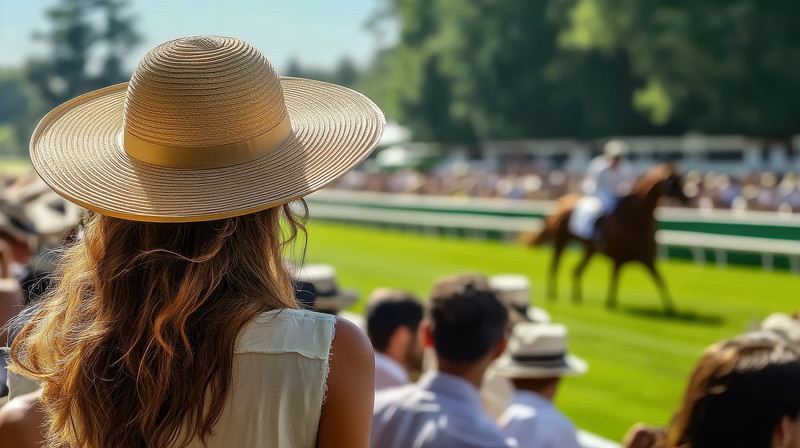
(356,208)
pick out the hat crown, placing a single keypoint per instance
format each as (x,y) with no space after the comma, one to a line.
(204,91)
(528,339)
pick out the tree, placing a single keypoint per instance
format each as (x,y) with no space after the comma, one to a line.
(79,42)
(706,65)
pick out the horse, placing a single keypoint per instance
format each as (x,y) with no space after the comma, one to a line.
(627,234)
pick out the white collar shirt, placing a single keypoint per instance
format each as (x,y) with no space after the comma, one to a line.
(535,423)
(440,411)
(388,372)
(601,179)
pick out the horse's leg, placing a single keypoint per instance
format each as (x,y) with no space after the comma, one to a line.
(613,286)
(558,247)
(669,306)
(588,251)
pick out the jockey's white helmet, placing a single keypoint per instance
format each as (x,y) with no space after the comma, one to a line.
(615,149)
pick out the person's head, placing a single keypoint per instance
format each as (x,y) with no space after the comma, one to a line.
(189,170)
(393,319)
(744,391)
(467,324)
(317,283)
(615,151)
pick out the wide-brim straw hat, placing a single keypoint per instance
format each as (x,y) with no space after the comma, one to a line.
(204,130)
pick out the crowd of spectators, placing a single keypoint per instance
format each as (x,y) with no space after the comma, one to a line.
(474,365)
(764,191)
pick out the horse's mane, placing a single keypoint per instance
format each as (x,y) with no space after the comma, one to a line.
(651,179)
(642,187)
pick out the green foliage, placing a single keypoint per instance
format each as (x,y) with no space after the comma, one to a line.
(494,70)
(345,73)
(708,65)
(19,111)
(88,41)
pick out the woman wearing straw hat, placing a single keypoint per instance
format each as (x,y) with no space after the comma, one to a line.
(173,321)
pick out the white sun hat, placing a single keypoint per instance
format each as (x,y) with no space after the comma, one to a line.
(538,351)
(514,290)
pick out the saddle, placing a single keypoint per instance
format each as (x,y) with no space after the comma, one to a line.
(585,216)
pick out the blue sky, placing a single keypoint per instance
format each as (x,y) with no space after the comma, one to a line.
(317,32)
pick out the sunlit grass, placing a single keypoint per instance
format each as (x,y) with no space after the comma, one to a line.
(639,359)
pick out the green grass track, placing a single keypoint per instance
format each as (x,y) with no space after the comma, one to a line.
(639,359)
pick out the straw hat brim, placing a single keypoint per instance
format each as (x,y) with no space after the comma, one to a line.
(571,366)
(77,150)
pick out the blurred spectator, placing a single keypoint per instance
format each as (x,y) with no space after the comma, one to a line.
(11,303)
(643,436)
(758,191)
(22,422)
(535,361)
(514,290)
(744,392)
(467,328)
(317,288)
(784,325)
(393,319)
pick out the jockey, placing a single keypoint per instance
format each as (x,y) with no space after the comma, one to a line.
(609,176)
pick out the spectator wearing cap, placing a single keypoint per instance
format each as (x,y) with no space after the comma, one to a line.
(467,328)
(535,361)
(393,320)
(514,291)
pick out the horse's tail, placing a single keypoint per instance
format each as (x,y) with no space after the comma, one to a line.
(553,224)
(533,239)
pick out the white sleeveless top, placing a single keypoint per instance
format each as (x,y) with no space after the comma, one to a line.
(280,368)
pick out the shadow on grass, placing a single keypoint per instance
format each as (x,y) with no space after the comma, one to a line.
(711,320)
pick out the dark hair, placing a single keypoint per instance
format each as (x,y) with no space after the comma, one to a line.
(738,393)
(387,310)
(467,319)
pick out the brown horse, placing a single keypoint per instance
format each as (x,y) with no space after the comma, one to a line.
(627,233)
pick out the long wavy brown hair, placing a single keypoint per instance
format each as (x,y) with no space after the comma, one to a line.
(134,345)
(729,367)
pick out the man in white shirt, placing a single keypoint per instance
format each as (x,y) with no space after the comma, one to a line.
(609,176)
(535,361)
(393,318)
(467,328)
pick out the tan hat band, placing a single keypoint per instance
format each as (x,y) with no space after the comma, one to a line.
(208,156)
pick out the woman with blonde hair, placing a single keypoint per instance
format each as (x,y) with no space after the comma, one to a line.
(173,321)
(744,392)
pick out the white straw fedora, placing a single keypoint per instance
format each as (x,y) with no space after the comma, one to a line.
(514,290)
(538,351)
(204,130)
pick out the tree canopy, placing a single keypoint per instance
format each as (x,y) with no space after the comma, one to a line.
(491,69)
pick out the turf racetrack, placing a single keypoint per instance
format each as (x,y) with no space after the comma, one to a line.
(639,359)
